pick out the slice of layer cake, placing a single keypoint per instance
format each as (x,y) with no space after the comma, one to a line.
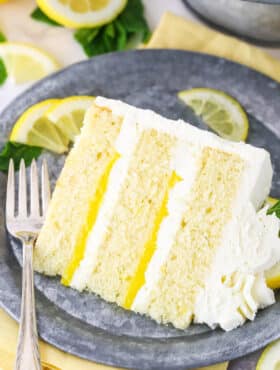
(162,218)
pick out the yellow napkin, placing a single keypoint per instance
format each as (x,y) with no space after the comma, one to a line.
(175,32)
(49,355)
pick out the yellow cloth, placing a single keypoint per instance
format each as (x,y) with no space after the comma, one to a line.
(49,355)
(175,32)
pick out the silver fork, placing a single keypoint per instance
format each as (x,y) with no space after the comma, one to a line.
(25,225)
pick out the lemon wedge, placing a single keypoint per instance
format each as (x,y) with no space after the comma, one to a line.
(270,358)
(68,114)
(221,112)
(271,201)
(82,13)
(26,63)
(272,276)
(32,128)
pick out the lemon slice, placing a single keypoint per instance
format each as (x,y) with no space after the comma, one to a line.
(32,128)
(272,277)
(26,63)
(270,358)
(222,113)
(82,13)
(271,201)
(68,114)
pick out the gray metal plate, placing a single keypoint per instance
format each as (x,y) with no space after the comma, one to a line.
(84,324)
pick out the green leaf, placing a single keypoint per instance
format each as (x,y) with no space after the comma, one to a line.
(146,35)
(275,209)
(3,72)
(119,34)
(122,38)
(2,37)
(132,16)
(110,30)
(134,21)
(16,151)
(39,15)
(86,37)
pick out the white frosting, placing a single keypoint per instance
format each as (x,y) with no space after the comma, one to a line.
(257,160)
(235,287)
(250,245)
(236,282)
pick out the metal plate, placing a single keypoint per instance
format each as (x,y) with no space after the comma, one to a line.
(255,21)
(277,2)
(84,324)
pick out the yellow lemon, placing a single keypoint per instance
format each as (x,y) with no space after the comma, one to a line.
(26,63)
(82,13)
(68,114)
(270,358)
(32,128)
(221,112)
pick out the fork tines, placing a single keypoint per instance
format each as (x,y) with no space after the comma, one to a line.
(33,210)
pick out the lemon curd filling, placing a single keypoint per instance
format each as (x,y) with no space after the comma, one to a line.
(94,207)
(139,278)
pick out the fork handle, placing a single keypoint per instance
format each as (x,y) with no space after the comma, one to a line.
(28,357)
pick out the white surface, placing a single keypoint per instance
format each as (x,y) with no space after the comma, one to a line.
(17,25)
(9,90)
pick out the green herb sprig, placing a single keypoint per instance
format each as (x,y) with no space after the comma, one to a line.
(117,35)
(275,209)
(39,15)
(2,37)
(124,32)
(3,72)
(16,151)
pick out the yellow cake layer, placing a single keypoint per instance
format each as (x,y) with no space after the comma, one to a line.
(139,277)
(94,207)
(134,217)
(184,272)
(76,194)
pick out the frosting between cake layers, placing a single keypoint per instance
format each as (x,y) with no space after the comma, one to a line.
(124,146)
(178,198)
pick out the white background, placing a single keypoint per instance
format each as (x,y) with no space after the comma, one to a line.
(18,26)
